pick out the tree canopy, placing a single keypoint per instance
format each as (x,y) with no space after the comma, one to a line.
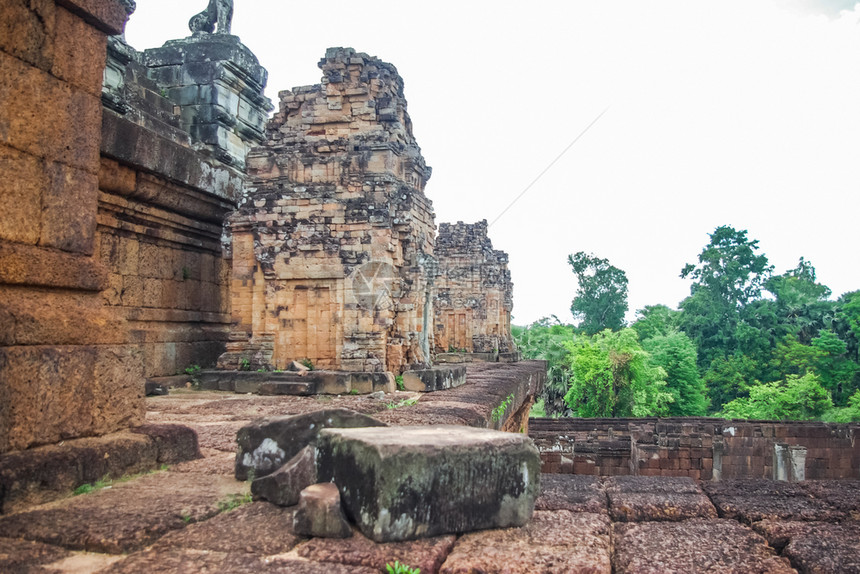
(745,343)
(601,294)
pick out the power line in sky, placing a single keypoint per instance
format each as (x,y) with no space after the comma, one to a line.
(552,163)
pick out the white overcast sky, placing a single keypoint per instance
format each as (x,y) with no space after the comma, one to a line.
(742,113)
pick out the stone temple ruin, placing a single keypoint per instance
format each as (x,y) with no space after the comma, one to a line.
(332,248)
(157,219)
(474,294)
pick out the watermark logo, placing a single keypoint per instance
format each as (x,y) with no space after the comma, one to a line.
(373,284)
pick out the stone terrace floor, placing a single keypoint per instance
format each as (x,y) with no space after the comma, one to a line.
(195,517)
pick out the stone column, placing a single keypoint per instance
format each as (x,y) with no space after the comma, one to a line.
(797,463)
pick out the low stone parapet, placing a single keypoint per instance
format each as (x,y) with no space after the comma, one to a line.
(434,379)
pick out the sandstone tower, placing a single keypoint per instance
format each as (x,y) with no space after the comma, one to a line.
(474,296)
(332,249)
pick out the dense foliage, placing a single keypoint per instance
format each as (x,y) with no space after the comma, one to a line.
(746,343)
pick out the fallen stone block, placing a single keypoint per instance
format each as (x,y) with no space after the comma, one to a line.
(760,499)
(267,444)
(284,486)
(319,513)
(359,551)
(421,481)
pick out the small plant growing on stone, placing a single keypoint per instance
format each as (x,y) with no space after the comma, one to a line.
(308,363)
(499,411)
(353,391)
(397,568)
(398,380)
(186,273)
(244,364)
(403,403)
(233,501)
(193,372)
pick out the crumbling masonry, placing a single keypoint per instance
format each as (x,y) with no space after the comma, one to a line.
(474,294)
(332,249)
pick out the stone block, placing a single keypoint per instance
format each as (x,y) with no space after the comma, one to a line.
(27,31)
(68,135)
(284,486)
(108,16)
(413,482)
(24,179)
(434,379)
(55,393)
(320,514)
(69,206)
(75,38)
(265,445)
(116,178)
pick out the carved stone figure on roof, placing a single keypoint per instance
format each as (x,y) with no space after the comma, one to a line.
(217,12)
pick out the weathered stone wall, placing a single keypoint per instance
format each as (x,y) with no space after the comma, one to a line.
(474,292)
(331,248)
(110,221)
(63,369)
(178,123)
(706,449)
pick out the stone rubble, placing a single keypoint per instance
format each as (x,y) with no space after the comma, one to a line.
(266,445)
(319,513)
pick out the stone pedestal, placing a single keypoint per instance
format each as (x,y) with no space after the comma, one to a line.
(217,82)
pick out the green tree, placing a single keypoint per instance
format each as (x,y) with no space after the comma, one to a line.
(801,304)
(836,371)
(848,414)
(729,274)
(676,354)
(613,376)
(794,398)
(601,294)
(545,340)
(656,320)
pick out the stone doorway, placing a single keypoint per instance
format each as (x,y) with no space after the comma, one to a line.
(308,316)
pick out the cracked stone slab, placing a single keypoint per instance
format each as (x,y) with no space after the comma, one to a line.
(753,500)
(647,498)
(189,561)
(843,495)
(126,516)
(268,529)
(561,541)
(574,492)
(427,554)
(816,547)
(697,545)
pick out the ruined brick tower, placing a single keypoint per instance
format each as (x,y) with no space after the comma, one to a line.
(474,292)
(332,249)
